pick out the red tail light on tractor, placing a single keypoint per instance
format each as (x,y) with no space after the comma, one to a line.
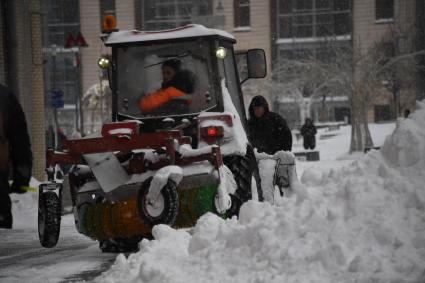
(212,132)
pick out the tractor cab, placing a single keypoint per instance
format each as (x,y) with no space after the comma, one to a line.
(204,57)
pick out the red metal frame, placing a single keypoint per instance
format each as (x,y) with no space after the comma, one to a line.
(120,143)
(75,149)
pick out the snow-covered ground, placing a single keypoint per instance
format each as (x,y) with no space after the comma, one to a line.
(363,221)
(333,146)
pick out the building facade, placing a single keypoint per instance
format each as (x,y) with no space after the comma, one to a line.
(21,68)
(387,27)
(310,32)
(420,45)
(391,24)
(61,68)
(285,29)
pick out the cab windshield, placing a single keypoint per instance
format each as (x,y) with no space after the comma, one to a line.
(164,79)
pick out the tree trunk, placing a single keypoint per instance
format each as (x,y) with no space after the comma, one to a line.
(360,134)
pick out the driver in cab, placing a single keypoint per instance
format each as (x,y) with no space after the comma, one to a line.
(176,83)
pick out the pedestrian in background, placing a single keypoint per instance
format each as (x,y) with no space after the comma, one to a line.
(406,113)
(308,131)
(15,153)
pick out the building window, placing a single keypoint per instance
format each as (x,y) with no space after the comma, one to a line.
(242,13)
(384,9)
(63,19)
(61,73)
(313,18)
(167,14)
(61,22)
(303,5)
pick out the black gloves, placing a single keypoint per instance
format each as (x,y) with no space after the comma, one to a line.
(17,189)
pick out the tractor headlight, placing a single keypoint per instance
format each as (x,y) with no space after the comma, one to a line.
(221,53)
(103,62)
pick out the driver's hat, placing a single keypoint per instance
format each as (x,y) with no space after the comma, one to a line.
(175,64)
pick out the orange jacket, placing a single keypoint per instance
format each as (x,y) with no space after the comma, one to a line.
(154,100)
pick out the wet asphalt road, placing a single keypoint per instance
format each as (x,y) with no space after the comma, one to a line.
(76,258)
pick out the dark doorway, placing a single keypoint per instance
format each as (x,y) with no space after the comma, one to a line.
(342,114)
(382,113)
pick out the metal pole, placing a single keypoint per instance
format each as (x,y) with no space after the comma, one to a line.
(55,111)
(80,99)
(77,93)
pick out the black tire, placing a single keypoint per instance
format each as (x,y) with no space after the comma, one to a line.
(244,169)
(167,213)
(235,207)
(49,218)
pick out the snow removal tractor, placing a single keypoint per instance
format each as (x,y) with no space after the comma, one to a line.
(186,155)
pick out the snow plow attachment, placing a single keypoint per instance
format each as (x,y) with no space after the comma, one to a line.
(123,185)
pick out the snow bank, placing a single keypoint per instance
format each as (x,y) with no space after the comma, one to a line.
(160,179)
(235,140)
(25,208)
(406,147)
(364,222)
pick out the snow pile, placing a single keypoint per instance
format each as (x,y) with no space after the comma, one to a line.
(364,222)
(407,146)
(239,135)
(25,208)
(160,179)
(235,140)
(227,185)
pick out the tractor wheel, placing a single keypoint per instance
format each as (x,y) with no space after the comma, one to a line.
(234,208)
(49,218)
(166,207)
(245,171)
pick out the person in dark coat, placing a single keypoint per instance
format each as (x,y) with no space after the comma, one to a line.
(268,131)
(308,131)
(15,153)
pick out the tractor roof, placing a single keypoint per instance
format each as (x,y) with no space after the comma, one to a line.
(188,31)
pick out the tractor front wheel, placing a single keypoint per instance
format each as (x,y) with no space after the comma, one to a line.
(49,218)
(165,208)
(244,171)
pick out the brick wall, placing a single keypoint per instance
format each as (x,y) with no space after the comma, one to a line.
(2,39)
(367,31)
(36,93)
(258,36)
(28,71)
(91,30)
(125,14)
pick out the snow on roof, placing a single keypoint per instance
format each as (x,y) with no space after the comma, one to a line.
(180,32)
